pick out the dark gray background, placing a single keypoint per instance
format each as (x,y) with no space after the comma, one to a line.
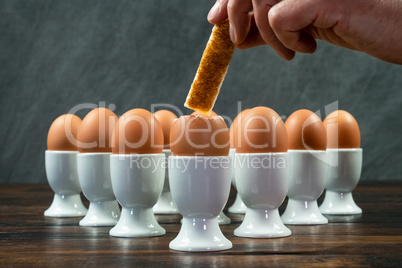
(57,54)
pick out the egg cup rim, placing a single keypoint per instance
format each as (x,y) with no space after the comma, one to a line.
(199,156)
(297,151)
(62,152)
(264,154)
(344,149)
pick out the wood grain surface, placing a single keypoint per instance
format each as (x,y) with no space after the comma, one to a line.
(29,239)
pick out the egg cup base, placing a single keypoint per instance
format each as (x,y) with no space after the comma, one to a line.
(64,205)
(262,223)
(137,222)
(200,235)
(339,203)
(103,213)
(165,204)
(223,219)
(238,207)
(303,212)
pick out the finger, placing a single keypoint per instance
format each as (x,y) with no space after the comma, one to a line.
(253,38)
(261,9)
(239,18)
(218,12)
(289,19)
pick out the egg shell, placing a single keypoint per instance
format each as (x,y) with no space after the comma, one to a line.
(95,131)
(166,119)
(62,135)
(342,130)
(199,135)
(234,130)
(200,113)
(137,132)
(306,131)
(262,131)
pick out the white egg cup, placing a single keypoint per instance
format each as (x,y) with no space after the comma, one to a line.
(137,181)
(345,166)
(200,187)
(94,177)
(308,172)
(262,182)
(61,172)
(238,206)
(165,204)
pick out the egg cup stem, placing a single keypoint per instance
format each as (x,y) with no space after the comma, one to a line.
(137,222)
(262,223)
(200,234)
(64,205)
(336,203)
(303,212)
(165,204)
(103,213)
(223,219)
(238,207)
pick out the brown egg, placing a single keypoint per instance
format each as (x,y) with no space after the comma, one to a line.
(342,130)
(234,130)
(62,134)
(199,113)
(95,131)
(165,119)
(306,131)
(137,132)
(198,135)
(262,131)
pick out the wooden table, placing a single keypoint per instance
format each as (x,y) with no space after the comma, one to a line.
(27,238)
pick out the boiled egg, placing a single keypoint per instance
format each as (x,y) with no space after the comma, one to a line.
(166,119)
(342,130)
(262,131)
(95,131)
(306,131)
(137,132)
(62,135)
(199,135)
(234,130)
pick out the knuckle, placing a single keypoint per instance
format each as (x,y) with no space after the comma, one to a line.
(275,19)
(231,6)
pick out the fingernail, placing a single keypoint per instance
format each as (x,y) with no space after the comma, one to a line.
(214,10)
(232,33)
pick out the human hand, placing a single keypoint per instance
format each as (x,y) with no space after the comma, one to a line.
(291,26)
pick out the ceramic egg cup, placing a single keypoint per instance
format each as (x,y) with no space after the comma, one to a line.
(61,172)
(263,187)
(200,188)
(165,204)
(94,177)
(137,181)
(308,171)
(238,207)
(345,167)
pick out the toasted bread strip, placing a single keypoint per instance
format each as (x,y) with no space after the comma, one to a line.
(212,70)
